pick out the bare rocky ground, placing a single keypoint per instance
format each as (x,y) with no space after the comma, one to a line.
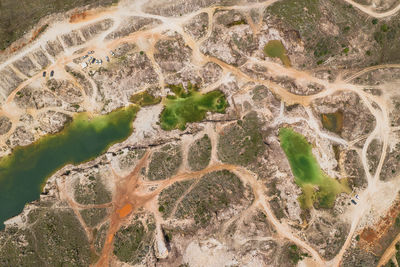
(221,192)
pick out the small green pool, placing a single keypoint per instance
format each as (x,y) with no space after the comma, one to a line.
(189,106)
(24,172)
(318,188)
(275,48)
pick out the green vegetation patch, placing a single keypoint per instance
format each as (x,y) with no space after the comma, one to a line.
(295,255)
(18,17)
(133,242)
(307,18)
(91,191)
(53,238)
(93,216)
(390,264)
(333,121)
(145,99)
(237,22)
(397,255)
(275,48)
(61,238)
(14,253)
(215,192)
(200,153)
(317,187)
(170,195)
(99,236)
(397,221)
(299,14)
(241,143)
(324,47)
(165,162)
(130,158)
(189,106)
(386,36)
(24,172)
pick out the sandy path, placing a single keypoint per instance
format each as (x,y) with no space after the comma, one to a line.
(369,10)
(368,69)
(123,205)
(389,252)
(75,208)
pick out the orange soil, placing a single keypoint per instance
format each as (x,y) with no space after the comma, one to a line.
(125,210)
(370,236)
(77,17)
(125,193)
(129,198)
(109,238)
(88,15)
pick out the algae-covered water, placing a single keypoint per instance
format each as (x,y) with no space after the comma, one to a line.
(275,48)
(318,188)
(23,172)
(189,106)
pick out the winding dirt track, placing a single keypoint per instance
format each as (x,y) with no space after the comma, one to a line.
(125,201)
(370,10)
(128,197)
(131,186)
(372,68)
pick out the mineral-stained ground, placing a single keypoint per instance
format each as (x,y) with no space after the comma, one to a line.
(203,179)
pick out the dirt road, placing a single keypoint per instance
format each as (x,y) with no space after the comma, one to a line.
(369,10)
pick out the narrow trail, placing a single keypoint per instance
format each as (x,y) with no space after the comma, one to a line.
(75,208)
(125,187)
(129,193)
(369,10)
(282,228)
(258,188)
(369,69)
(389,252)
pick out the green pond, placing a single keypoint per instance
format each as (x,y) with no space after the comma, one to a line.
(318,188)
(24,172)
(275,48)
(189,106)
